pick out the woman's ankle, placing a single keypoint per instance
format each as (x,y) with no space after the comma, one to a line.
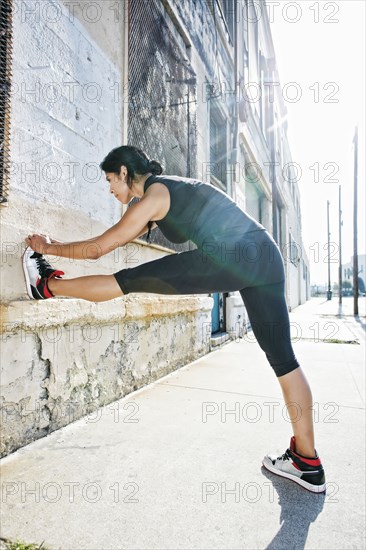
(304,448)
(52,285)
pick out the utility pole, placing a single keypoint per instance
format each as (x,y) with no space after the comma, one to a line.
(329,292)
(355,255)
(340,283)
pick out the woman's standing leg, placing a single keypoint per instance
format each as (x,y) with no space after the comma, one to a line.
(268,314)
(299,401)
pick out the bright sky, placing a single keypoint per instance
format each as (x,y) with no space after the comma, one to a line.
(315,54)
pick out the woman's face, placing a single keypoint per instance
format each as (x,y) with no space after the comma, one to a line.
(118,186)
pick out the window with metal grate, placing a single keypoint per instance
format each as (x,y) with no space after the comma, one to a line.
(228,7)
(162,96)
(5,86)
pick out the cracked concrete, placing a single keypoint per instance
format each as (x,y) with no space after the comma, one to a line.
(54,375)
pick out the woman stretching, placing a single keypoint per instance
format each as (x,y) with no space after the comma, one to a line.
(234,252)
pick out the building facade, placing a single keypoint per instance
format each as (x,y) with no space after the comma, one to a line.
(192,84)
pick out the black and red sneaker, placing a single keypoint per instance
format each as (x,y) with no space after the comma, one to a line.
(307,472)
(38,272)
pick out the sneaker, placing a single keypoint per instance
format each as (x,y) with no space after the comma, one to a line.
(37,272)
(307,472)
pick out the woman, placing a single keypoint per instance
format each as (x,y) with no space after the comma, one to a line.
(234,252)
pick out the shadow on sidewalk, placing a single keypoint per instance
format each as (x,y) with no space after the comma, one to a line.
(362,324)
(299,508)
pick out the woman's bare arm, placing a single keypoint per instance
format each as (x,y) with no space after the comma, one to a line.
(146,229)
(132,225)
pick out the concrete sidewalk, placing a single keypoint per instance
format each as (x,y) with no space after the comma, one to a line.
(328,321)
(177,464)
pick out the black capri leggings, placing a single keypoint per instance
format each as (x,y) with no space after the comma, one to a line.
(267,311)
(256,271)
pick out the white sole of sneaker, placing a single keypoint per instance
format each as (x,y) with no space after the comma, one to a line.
(267,463)
(26,276)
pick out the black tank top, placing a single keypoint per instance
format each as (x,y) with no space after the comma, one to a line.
(200,212)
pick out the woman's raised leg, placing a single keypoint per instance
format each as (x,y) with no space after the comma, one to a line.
(95,288)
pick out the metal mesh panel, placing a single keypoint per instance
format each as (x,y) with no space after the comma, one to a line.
(5,84)
(162,97)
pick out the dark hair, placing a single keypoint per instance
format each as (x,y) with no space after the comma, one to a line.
(135,160)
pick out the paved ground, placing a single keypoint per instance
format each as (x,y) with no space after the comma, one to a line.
(170,467)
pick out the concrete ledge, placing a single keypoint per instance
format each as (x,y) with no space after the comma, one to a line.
(30,315)
(64,359)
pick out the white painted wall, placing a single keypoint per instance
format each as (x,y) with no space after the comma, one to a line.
(65,114)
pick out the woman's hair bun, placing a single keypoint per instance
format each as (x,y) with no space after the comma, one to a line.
(155,167)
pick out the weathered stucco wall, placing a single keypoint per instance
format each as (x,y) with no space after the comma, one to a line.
(66,113)
(53,373)
(63,358)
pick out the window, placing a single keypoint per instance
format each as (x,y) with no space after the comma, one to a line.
(245,24)
(244,19)
(253,51)
(277,138)
(5,85)
(279,225)
(229,9)
(293,252)
(218,146)
(262,105)
(253,197)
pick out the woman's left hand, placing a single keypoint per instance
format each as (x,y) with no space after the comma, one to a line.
(38,242)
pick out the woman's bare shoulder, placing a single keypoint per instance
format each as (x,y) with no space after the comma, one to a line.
(159,193)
